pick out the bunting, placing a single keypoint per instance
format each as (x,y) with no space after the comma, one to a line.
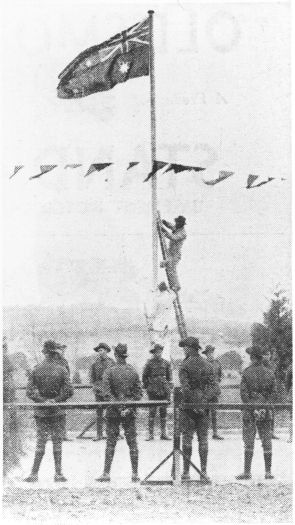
(44,169)
(72,166)
(16,169)
(132,164)
(252,178)
(97,167)
(178,168)
(222,176)
(157,165)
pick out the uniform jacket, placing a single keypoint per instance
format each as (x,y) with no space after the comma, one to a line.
(63,362)
(197,380)
(177,238)
(121,383)
(217,369)
(49,380)
(258,385)
(157,375)
(97,370)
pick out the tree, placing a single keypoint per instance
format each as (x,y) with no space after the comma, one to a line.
(275,333)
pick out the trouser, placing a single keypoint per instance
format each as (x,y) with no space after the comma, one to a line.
(264,428)
(113,429)
(54,428)
(99,415)
(171,264)
(213,413)
(152,414)
(200,425)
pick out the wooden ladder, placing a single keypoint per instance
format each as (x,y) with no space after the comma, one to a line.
(177,306)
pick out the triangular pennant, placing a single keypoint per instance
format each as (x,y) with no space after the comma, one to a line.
(97,167)
(178,168)
(222,176)
(45,168)
(263,182)
(16,169)
(157,165)
(132,164)
(250,180)
(72,166)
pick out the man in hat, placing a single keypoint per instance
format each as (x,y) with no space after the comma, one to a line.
(198,386)
(98,368)
(177,236)
(121,383)
(158,311)
(157,380)
(209,353)
(258,385)
(49,383)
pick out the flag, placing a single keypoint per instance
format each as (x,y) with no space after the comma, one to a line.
(44,169)
(16,169)
(72,166)
(250,180)
(157,165)
(178,168)
(222,176)
(263,182)
(101,67)
(132,164)
(97,167)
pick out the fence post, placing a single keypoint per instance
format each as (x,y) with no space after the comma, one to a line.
(176,437)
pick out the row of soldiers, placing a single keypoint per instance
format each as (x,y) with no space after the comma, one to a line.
(50,383)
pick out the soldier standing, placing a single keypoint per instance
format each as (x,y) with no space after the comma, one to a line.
(177,237)
(258,385)
(61,360)
(49,382)
(209,352)
(157,380)
(121,383)
(101,364)
(198,386)
(266,360)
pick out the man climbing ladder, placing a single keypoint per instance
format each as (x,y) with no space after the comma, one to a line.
(177,236)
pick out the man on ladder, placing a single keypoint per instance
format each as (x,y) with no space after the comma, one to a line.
(177,236)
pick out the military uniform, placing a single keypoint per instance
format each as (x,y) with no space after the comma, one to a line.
(49,381)
(217,376)
(258,385)
(121,383)
(98,368)
(177,238)
(62,361)
(198,386)
(156,378)
(289,388)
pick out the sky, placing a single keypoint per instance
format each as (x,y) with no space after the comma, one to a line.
(222,101)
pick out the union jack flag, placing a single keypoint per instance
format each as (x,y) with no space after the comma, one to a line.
(123,42)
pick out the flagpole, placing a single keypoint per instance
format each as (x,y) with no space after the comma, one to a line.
(153,150)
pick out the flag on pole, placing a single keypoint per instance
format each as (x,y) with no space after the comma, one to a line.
(97,167)
(44,169)
(101,67)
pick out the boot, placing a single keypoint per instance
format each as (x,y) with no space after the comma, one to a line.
(163,429)
(33,477)
(247,465)
(214,426)
(187,450)
(110,451)
(151,429)
(267,463)
(134,466)
(57,454)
